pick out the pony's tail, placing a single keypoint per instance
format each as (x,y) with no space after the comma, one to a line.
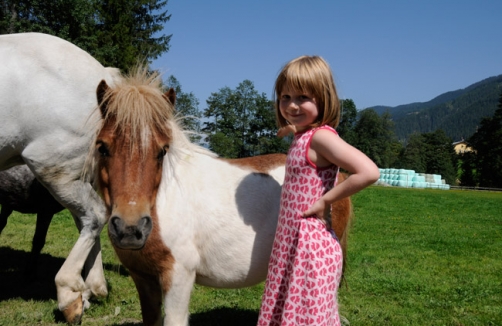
(341,218)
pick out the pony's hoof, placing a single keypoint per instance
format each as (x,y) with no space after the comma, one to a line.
(73,312)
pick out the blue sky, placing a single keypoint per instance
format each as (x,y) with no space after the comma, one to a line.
(382,52)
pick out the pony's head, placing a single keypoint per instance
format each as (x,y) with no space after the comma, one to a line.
(130,148)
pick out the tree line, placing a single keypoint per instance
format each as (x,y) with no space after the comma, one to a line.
(118,33)
(483,167)
(240,122)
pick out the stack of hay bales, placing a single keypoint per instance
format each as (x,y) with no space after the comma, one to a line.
(411,179)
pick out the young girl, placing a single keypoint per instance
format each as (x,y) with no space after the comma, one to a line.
(306,262)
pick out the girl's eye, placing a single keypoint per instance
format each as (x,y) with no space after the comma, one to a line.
(304,97)
(285,97)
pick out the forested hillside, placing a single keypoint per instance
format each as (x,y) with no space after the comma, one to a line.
(458,112)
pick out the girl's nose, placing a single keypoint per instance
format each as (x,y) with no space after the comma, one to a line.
(294,105)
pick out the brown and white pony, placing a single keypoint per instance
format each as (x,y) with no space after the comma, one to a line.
(177,213)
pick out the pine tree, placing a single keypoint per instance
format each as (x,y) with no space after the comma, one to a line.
(125,32)
(118,33)
(375,137)
(347,121)
(487,142)
(241,123)
(439,155)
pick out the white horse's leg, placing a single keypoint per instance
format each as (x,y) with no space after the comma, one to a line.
(89,214)
(93,273)
(70,285)
(62,177)
(177,296)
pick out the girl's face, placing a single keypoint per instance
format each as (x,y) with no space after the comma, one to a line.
(298,108)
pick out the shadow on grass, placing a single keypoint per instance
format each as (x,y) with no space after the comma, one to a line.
(14,283)
(217,317)
(225,317)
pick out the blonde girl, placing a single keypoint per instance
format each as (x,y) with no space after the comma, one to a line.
(306,261)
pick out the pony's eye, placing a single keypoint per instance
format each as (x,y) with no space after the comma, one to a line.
(162,153)
(103,150)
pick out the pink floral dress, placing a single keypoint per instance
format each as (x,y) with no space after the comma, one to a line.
(306,262)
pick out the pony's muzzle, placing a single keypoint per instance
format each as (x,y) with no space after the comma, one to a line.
(130,237)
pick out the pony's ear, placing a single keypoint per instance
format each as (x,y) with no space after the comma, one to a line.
(100,93)
(170,95)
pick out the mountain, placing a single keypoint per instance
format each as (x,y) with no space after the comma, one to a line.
(458,112)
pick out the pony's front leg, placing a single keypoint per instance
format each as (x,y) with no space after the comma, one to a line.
(150,297)
(177,291)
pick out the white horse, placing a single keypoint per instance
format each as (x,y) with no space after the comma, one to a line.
(47,96)
(178,214)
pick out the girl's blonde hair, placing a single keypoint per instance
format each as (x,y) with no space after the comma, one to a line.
(310,75)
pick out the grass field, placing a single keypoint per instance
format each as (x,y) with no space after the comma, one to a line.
(416,257)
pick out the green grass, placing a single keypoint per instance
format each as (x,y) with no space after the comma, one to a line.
(424,257)
(416,257)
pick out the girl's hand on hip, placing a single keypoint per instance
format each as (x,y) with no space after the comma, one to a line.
(316,210)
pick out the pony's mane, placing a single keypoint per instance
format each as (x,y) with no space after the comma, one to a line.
(137,101)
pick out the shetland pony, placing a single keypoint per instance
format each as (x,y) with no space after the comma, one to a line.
(177,213)
(48,96)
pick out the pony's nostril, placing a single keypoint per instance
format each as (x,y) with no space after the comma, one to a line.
(116,222)
(145,225)
(144,222)
(116,227)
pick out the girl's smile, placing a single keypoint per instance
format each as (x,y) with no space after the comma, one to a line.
(298,108)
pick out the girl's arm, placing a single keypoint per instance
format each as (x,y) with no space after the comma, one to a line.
(328,148)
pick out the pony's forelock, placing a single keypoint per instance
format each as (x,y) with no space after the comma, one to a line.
(139,103)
